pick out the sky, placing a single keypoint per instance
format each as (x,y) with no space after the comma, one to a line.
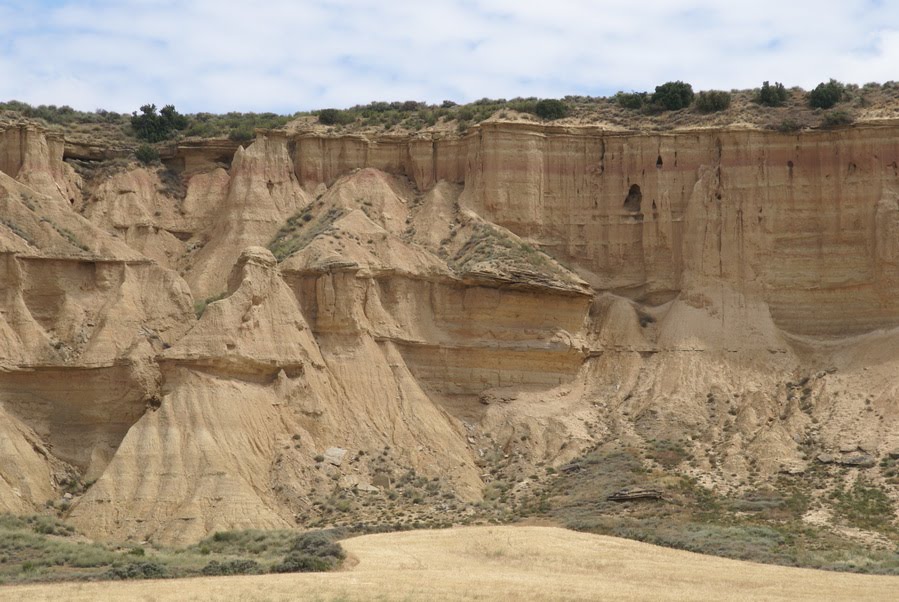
(286,56)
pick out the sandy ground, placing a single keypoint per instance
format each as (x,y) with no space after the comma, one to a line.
(500,563)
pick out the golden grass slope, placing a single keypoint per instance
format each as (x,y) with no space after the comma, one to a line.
(501,563)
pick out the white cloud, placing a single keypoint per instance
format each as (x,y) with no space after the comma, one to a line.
(287,55)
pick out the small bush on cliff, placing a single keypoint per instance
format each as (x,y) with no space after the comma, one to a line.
(239,127)
(631,100)
(789,126)
(837,118)
(146,154)
(242,134)
(672,96)
(826,95)
(771,96)
(550,109)
(335,117)
(200,306)
(712,101)
(154,127)
(523,105)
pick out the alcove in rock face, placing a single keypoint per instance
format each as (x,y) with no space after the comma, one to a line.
(634,199)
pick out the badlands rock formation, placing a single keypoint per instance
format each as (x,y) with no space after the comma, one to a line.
(529,289)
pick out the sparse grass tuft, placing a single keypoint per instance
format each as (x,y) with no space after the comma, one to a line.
(66,234)
(200,306)
(17,231)
(493,252)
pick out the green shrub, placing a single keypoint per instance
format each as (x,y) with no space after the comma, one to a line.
(631,100)
(64,115)
(137,570)
(826,95)
(302,563)
(789,126)
(231,567)
(146,154)
(672,96)
(771,96)
(712,101)
(154,127)
(329,116)
(465,114)
(311,552)
(523,105)
(317,544)
(837,118)
(239,127)
(550,109)
(242,134)
(335,117)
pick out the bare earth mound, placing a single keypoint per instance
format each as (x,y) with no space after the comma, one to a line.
(502,563)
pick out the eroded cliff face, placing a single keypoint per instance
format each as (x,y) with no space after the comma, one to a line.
(802,219)
(528,290)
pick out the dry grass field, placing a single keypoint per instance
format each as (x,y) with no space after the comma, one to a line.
(499,563)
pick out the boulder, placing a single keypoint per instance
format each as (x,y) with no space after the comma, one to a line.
(334,455)
(635,493)
(858,460)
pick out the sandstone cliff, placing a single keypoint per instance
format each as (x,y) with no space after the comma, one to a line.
(528,289)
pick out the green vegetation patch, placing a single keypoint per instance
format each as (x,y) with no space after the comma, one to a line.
(17,231)
(200,306)
(712,101)
(826,94)
(672,96)
(837,118)
(249,542)
(311,552)
(240,127)
(864,505)
(66,234)
(772,96)
(155,127)
(146,154)
(763,525)
(300,230)
(550,109)
(490,246)
(41,548)
(635,110)
(632,100)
